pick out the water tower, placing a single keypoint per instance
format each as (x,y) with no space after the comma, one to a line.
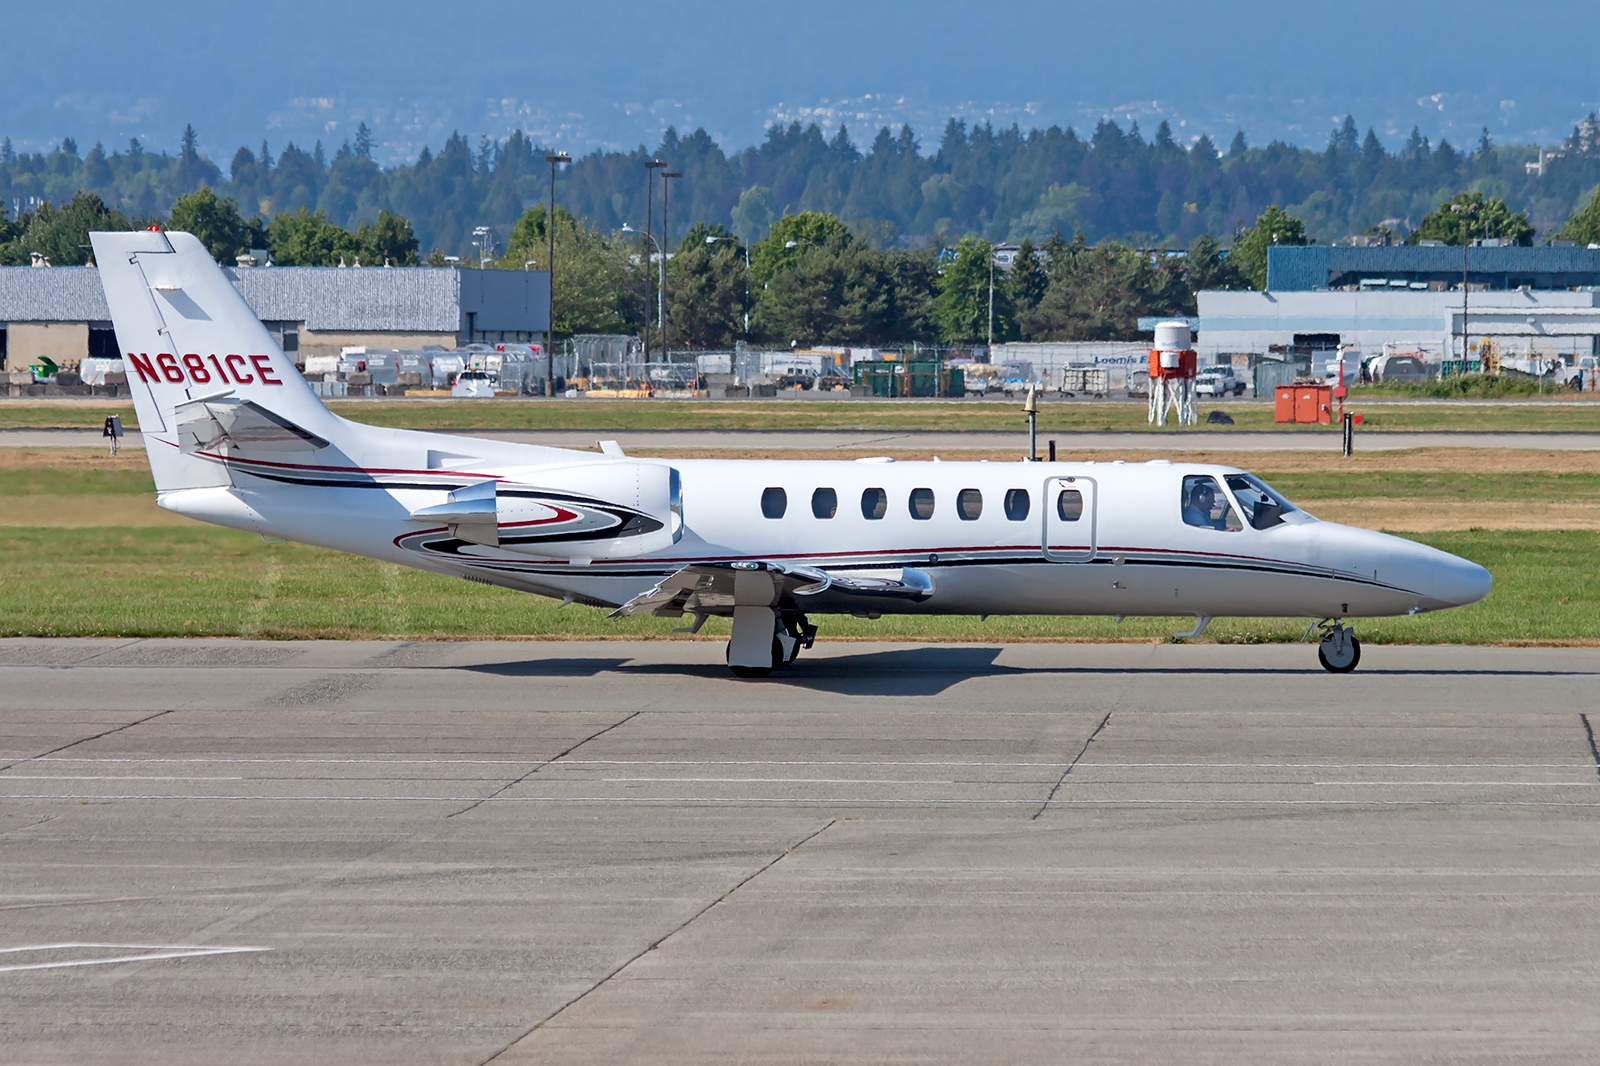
(1172,372)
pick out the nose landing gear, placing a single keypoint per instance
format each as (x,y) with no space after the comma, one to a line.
(1339,650)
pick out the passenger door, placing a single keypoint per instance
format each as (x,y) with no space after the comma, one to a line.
(1069,507)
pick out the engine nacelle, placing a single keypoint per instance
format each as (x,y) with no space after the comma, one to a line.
(608,509)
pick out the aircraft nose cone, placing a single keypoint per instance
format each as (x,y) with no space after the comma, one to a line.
(1441,579)
(1457,581)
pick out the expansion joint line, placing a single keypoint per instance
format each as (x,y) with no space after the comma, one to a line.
(1588,731)
(85,740)
(554,758)
(656,943)
(1063,778)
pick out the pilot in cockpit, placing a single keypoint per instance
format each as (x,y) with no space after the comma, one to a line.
(1201,501)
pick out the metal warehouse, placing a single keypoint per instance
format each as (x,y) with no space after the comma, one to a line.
(1437,267)
(1542,323)
(61,313)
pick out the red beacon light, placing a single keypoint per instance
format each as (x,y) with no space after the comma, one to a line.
(152,228)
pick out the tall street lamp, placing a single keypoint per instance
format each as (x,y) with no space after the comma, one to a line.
(666,242)
(550,264)
(650,168)
(990,350)
(1466,211)
(714,240)
(484,244)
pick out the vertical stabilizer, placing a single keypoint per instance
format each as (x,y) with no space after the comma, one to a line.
(186,334)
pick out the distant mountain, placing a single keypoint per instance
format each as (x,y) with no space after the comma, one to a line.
(581,76)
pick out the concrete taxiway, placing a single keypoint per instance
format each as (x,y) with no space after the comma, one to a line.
(613,852)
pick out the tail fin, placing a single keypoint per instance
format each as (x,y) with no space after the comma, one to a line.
(187,335)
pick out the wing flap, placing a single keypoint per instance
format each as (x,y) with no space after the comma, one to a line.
(718,587)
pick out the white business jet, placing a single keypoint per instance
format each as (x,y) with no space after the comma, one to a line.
(236,437)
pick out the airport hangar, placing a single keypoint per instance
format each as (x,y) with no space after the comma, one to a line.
(1537,301)
(61,312)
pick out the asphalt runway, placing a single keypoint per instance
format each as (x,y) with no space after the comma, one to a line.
(855,441)
(613,852)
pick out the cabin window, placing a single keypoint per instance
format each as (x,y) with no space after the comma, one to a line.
(969,505)
(774,502)
(1262,507)
(824,503)
(921,504)
(1017,504)
(1205,506)
(1069,505)
(874,504)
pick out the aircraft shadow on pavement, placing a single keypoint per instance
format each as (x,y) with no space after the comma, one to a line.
(546,667)
(897,672)
(927,671)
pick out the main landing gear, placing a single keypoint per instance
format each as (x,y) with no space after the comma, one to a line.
(1339,651)
(754,627)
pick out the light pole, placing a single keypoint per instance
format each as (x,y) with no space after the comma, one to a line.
(550,263)
(666,242)
(1466,211)
(484,244)
(990,350)
(714,240)
(650,168)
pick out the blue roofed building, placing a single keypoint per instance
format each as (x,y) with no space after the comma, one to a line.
(1536,301)
(1424,268)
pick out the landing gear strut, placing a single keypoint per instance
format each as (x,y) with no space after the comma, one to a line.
(1339,651)
(788,632)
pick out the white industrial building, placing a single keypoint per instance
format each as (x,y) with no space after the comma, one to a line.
(61,312)
(1536,322)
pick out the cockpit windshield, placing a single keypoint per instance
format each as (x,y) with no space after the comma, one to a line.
(1262,507)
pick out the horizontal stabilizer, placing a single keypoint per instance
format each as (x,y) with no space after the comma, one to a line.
(221,420)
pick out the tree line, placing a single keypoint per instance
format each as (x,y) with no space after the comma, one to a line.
(810,280)
(980,181)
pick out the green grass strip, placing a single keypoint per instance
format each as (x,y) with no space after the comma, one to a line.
(213,582)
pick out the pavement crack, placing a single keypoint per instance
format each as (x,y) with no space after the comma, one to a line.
(656,943)
(1063,778)
(1588,731)
(105,651)
(85,740)
(554,758)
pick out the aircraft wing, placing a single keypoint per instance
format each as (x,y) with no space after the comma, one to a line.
(208,422)
(715,588)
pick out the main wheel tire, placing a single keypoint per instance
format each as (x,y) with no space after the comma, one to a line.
(1340,668)
(756,671)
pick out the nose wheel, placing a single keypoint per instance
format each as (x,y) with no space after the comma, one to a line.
(1339,651)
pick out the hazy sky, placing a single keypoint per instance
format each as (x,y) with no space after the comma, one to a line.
(616,72)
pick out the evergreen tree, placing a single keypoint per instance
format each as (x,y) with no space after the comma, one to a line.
(217,222)
(1583,227)
(962,307)
(1028,280)
(1483,218)
(60,234)
(1273,227)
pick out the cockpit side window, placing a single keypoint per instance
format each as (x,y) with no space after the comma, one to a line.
(1262,507)
(1205,505)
